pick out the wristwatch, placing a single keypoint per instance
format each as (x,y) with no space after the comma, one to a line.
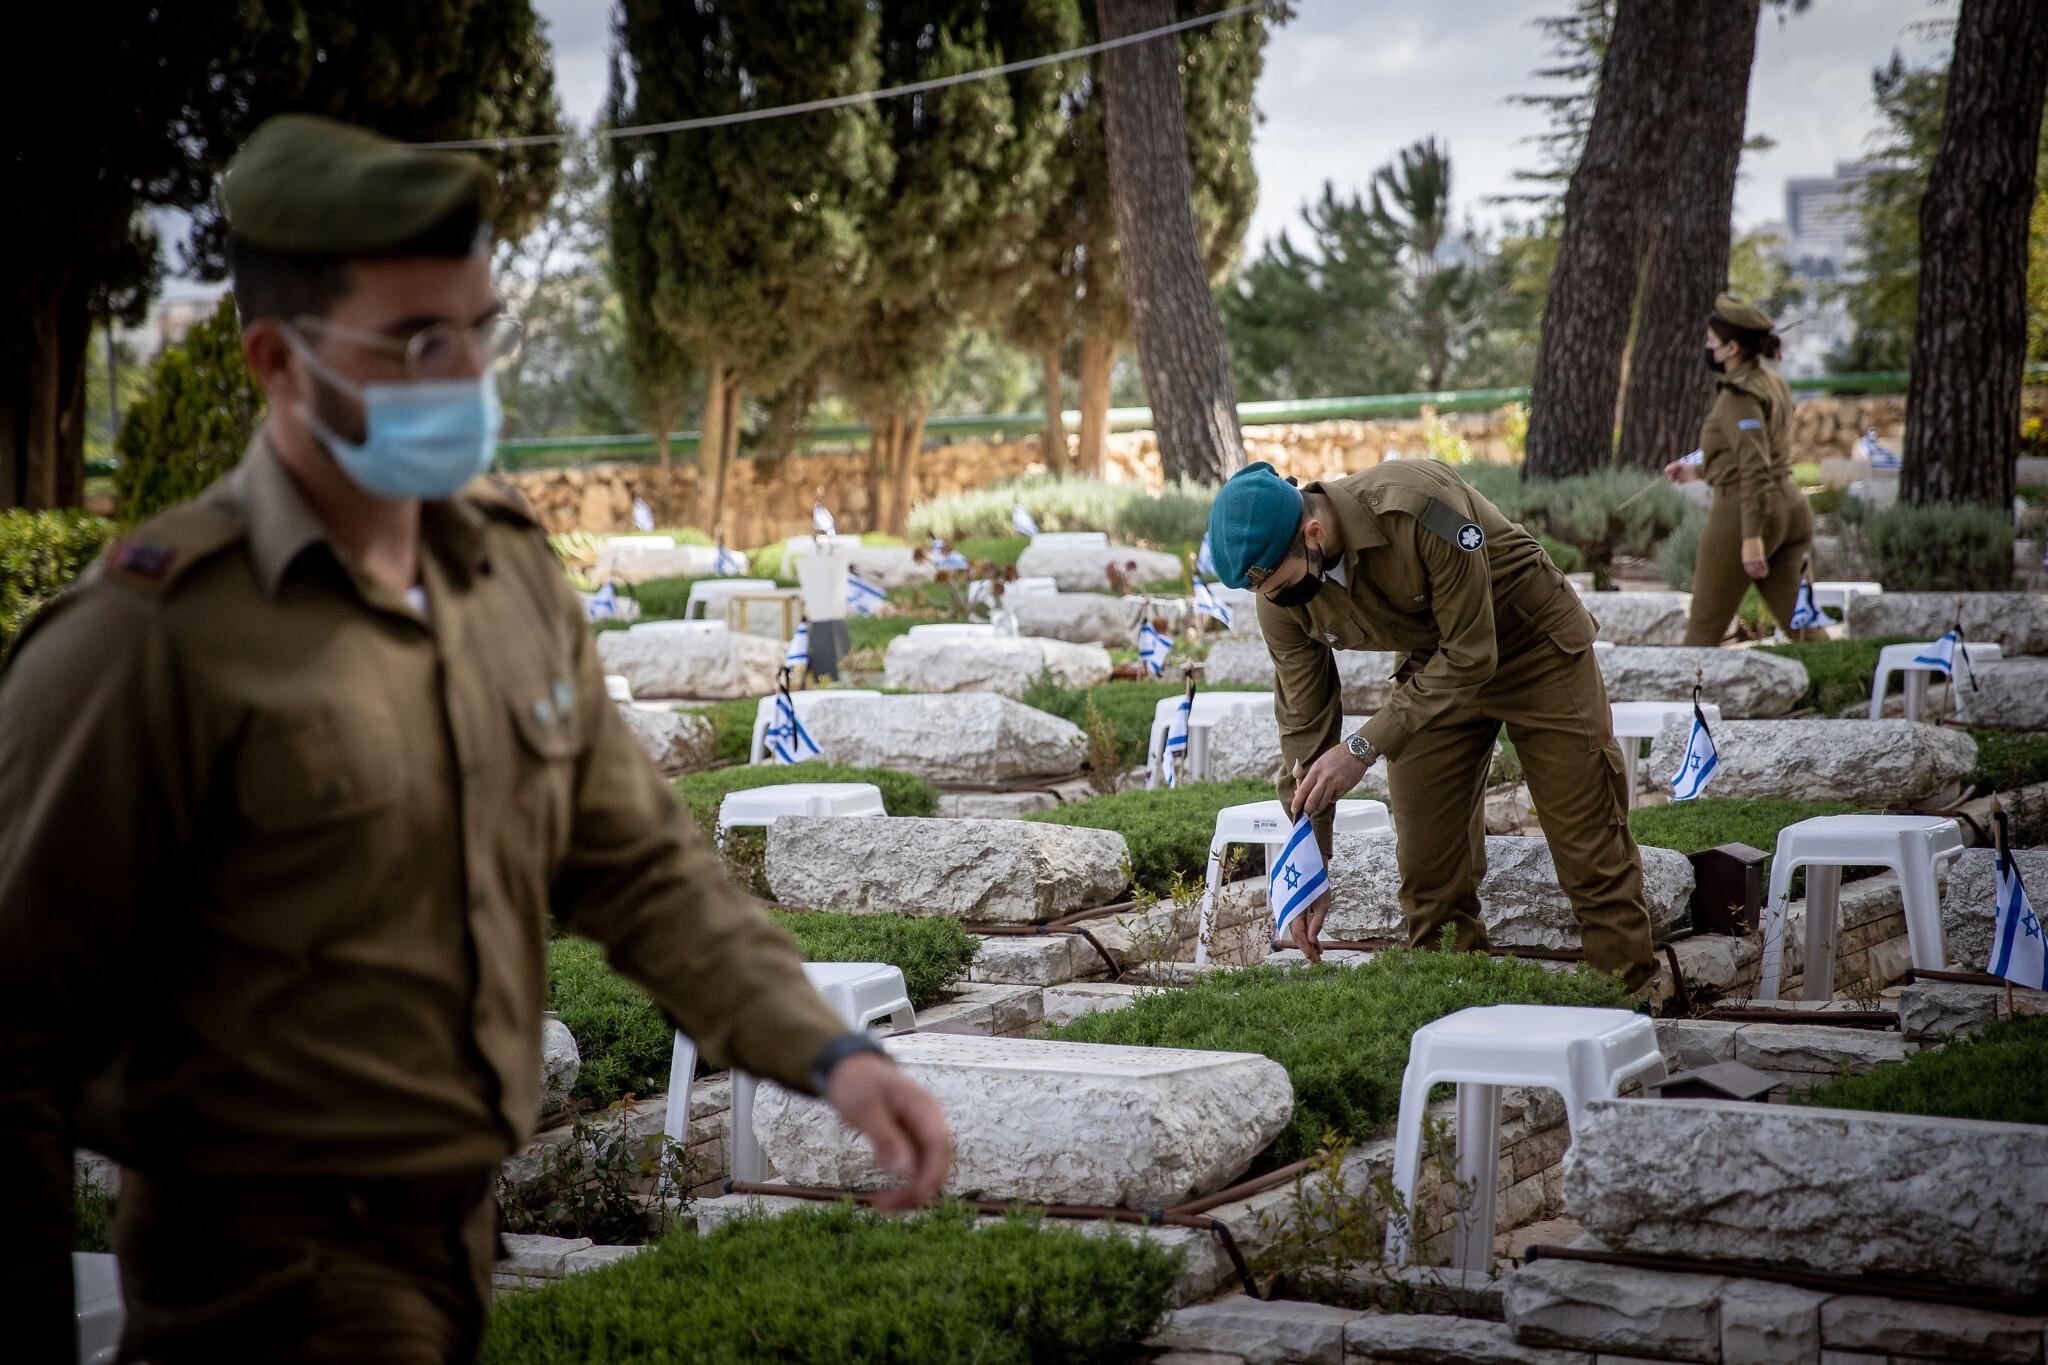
(1361,748)
(837,1051)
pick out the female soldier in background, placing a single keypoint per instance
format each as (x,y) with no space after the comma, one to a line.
(1760,528)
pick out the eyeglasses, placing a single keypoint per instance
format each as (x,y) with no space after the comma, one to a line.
(436,352)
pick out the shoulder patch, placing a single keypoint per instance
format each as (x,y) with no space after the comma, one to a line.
(1453,526)
(156,554)
(1749,424)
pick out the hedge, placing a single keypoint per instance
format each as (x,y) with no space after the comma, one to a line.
(625,1043)
(40,553)
(2001,1075)
(902,793)
(1341,1032)
(843,1284)
(1941,548)
(1168,830)
(1055,504)
(193,420)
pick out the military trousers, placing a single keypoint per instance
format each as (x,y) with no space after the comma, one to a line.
(1719,582)
(305,1272)
(1553,704)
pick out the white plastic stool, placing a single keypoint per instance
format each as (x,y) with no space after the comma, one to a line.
(1899,659)
(1835,595)
(861,993)
(675,627)
(1635,721)
(1072,540)
(1910,845)
(1268,823)
(1583,1054)
(618,687)
(96,1289)
(797,546)
(955,630)
(759,806)
(1209,707)
(708,595)
(806,701)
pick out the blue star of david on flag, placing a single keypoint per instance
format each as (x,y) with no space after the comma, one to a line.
(1297,876)
(864,597)
(601,605)
(1207,602)
(1021,522)
(946,557)
(729,563)
(2018,952)
(1806,614)
(1700,759)
(1152,649)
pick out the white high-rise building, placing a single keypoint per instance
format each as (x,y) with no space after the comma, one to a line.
(1821,219)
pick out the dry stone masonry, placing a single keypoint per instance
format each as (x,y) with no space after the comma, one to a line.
(1004,664)
(713,666)
(1090,618)
(1878,763)
(986,871)
(969,738)
(1745,683)
(1053,1122)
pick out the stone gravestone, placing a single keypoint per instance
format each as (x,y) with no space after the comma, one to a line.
(975,737)
(1007,664)
(1055,1122)
(1744,683)
(714,666)
(1882,764)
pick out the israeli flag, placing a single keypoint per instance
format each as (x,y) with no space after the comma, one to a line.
(864,597)
(1021,522)
(798,654)
(1205,563)
(1296,877)
(1700,760)
(1696,457)
(1206,602)
(2016,944)
(643,516)
(1177,739)
(1941,655)
(821,520)
(1878,453)
(601,605)
(788,741)
(945,557)
(729,564)
(1806,614)
(1153,649)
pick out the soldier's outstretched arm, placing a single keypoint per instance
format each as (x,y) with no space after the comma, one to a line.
(91,794)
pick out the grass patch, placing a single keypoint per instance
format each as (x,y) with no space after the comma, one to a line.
(1168,831)
(1838,672)
(1689,826)
(1341,1032)
(732,727)
(2007,761)
(902,793)
(1127,706)
(932,953)
(2000,1075)
(1001,551)
(92,1218)
(844,1284)
(875,632)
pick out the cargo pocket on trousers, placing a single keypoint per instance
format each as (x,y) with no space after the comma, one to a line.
(1617,774)
(257,1312)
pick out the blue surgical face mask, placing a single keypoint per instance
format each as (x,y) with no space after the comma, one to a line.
(423,439)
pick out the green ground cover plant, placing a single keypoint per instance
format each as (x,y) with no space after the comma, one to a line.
(1168,831)
(2000,1075)
(1341,1032)
(932,953)
(2008,760)
(40,553)
(1689,826)
(1838,672)
(843,1284)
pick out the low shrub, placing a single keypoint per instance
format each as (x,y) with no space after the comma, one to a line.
(1679,554)
(1599,515)
(1341,1032)
(902,793)
(1176,518)
(932,953)
(1055,504)
(606,1182)
(662,599)
(1942,549)
(2000,1075)
(192,422)
(40,553)
(1127,706)
(999,550)
(1168,831)
(1566,557)
(841,1283)
(1825,501)
(1838,672)
(623,1040)
(2007,761)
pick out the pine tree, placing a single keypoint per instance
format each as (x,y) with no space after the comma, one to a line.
(192,422)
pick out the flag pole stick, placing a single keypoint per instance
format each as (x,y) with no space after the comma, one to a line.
(1640,491)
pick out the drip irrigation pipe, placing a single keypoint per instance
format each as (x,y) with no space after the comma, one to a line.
(1805,1279)
(1960,978)
(1856,1019)
(1084,1212)
(1381,945)
(1677,977)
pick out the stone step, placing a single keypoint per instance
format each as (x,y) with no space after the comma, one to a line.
(987,1011)
(1428,1339)
(1040,960)
(1064,1004)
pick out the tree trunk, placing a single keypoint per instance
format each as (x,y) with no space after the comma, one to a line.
(711,446)
(906,471)
(43,338)
(1686,252)
(1098,365)
(1052,439)
(1173,314)
(1585,325)
(884,436)
(730,460)
(1970,337)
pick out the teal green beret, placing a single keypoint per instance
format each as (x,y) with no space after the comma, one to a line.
(303,185)
(1252,522)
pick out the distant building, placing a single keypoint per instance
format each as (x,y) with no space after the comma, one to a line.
(172,314)
(1822,245)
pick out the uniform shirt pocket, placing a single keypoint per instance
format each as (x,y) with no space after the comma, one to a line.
(320,764)
(551,738)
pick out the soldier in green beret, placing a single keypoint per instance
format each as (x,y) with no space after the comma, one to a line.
(1410,558)
(1760,529)
(297,778)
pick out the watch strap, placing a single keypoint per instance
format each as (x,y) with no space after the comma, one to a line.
(838,1050)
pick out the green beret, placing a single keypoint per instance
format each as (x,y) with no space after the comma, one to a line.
(1741,315)
(303,185)
(1252,523)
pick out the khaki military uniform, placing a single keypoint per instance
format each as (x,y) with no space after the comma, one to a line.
(1747,445)
(1492,635)
(277,875)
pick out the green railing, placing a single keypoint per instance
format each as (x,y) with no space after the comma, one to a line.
(543,452)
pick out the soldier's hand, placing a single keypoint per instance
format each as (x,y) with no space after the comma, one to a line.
(900,1120)
(1308,927)
(1679,471)
(1754,562)
(1330,777)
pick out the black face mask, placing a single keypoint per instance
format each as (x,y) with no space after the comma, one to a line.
(1712,363)
(1303,591)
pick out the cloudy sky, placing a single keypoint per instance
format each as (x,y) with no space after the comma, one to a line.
(1348,82)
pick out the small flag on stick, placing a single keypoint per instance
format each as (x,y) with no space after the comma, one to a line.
(1297,876)
(1700,761)
(1205,562)
(1207,603)
(1021,522)
(864,597)
(643,516)
(602,605)
(1177,734)
(1806,614)
(945,556)
(728,564)
(798,654)
(821,520)
(2017,950)
(788,741)
(1152,648)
